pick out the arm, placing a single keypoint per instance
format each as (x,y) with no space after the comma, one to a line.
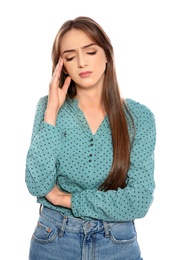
(123,204)
(135,199)
(42,154)
(44,148)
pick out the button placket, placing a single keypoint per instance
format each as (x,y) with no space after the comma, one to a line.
(91,149)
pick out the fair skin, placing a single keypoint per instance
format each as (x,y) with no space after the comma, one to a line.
(85,63)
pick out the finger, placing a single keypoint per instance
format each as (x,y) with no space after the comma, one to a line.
(57,71)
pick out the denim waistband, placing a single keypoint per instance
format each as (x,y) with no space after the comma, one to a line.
(76,224)
(73,224)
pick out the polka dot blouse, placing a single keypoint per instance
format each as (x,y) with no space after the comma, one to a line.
(70,156)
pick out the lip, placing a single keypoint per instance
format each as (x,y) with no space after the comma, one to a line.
(85,74)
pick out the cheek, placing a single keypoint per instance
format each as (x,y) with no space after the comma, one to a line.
(102,65)
(102,60)
(68,69)
(72,73)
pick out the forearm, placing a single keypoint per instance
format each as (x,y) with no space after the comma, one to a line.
(122,205)
(41,160)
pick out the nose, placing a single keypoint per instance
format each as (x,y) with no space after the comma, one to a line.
(81,61)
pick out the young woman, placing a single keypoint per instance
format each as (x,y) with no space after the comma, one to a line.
(90,162)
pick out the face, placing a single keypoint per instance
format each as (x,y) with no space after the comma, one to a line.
(84,61)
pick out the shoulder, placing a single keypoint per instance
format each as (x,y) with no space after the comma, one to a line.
(43,101)
(40,108)
(139,110)
(142,116)
(41,105)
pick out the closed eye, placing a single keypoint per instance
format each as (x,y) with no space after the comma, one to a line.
(69,59)
(92,53)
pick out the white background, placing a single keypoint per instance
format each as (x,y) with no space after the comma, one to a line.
(148,41)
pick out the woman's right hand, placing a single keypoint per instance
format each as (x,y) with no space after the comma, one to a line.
(56,95)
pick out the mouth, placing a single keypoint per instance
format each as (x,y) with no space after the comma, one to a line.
(85,74)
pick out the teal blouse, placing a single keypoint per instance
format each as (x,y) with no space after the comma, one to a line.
(70,156)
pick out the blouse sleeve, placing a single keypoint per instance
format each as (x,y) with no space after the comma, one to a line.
(135,199)
(42,154)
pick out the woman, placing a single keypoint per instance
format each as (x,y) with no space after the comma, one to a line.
(90,162)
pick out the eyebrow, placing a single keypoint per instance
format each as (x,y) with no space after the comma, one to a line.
(84,47)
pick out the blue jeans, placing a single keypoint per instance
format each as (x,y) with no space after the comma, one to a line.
(57,237)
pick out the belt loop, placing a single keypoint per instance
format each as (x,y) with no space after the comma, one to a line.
(62,228)
(40,209)
(106,229)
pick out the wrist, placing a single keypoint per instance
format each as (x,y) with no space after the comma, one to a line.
(50,116)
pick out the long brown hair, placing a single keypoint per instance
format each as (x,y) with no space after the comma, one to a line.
(113,104)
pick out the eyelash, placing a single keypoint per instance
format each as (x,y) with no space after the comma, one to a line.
(69,59)
(90,53)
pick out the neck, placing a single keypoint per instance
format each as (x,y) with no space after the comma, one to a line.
(89,99)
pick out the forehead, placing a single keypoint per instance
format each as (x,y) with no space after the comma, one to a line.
(75,38)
